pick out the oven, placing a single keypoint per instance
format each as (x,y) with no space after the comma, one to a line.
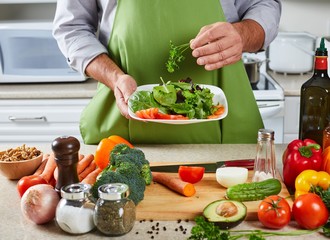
(270,99)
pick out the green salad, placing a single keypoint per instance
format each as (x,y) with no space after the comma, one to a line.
(182,98)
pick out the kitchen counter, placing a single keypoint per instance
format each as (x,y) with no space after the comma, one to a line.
(84,89)
(14,226)
(291,83)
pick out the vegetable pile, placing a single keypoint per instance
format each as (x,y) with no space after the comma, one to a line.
(176,100)
(129,166)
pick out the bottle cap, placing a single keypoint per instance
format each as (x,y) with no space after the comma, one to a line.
(265,134)
(322,50)
(75,191)
(113,191)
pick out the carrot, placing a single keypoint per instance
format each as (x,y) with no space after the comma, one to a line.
(91,177)
(50,166)
(90,168)
(175,184)
(42,165)
(85,162)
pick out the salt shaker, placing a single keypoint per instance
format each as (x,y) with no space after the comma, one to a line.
(66,153)
(114,213)
(265,162)
(74,212)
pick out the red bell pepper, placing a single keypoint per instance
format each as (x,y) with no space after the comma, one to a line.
(300,155)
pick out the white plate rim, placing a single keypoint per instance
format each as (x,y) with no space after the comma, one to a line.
(219,97)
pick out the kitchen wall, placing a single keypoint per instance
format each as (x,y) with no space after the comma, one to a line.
(312,16)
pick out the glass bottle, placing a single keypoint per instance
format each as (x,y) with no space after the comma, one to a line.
(114,213)
(74,212)
(265,162)
(326,137)
(315,99)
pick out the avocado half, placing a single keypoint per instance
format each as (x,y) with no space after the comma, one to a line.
(225,213)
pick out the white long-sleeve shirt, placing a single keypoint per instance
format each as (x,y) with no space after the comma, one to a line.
(83,28)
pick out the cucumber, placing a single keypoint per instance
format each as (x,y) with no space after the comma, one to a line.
(254,191)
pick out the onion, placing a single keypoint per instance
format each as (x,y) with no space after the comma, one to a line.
(230,176)
(39,202)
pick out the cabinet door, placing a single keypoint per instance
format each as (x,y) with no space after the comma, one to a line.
(40,120)
(291,118)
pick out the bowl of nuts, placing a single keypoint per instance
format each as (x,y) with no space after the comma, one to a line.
(18,162)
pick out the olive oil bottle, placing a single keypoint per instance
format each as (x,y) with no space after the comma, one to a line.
(315,99)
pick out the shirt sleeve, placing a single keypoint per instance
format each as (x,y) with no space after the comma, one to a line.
(266,12)
(75,30)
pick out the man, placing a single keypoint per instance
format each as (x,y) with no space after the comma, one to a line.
(125,43)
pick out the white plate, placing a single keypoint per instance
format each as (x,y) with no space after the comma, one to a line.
(218,98)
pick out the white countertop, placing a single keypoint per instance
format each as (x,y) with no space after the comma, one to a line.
(14,226)
(84,89)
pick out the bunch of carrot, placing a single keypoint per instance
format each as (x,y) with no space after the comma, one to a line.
(86,168)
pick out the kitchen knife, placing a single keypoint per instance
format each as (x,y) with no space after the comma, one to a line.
(209,167)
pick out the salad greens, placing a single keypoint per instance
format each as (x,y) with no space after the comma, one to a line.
(182,97)
(175,56)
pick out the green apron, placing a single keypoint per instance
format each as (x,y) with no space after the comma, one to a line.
(139,44)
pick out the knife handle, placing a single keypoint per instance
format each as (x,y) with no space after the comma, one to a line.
(248,163)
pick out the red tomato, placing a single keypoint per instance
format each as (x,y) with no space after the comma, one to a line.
(274,212)
(191,174)
(28,181)
(310,211)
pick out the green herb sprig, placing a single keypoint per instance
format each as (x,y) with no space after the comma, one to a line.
(176,56)
(206,230)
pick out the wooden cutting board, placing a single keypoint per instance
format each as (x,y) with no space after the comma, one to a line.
(161,203)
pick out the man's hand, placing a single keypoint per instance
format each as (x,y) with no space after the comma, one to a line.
(222,43)
(104,70)
(124,88)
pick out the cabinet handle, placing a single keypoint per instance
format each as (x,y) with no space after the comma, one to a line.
(15,119)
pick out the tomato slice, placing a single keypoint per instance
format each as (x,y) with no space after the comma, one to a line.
(191,174)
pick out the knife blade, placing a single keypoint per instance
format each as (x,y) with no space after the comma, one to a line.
(209,167)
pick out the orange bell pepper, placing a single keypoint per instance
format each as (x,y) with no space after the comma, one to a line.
(309,178)
(104,148)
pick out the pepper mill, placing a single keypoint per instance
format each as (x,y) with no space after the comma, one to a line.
(66,153)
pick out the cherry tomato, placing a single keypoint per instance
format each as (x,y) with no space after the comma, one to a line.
(191,174)
(25,182)
(309,211)
(274,212)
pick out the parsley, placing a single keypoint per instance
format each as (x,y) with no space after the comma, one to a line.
(175,56)
(204,230)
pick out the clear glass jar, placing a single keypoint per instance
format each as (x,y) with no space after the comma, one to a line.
(265,162)
(74,212)
(114,213)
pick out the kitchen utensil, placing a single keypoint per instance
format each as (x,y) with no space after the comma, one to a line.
(218,98)
(292,52)
(209,167)
(162,204)
(252,66)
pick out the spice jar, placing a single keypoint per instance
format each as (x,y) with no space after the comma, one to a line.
(265,163)
(114,212)
(74,212)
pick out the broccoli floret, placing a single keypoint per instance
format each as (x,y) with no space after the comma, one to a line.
(123,153)
(129,166)
(127,174)
(146,174)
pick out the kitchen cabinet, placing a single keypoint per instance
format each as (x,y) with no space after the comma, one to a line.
(291,119)
(39,120)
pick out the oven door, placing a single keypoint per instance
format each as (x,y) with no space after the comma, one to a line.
(272,113)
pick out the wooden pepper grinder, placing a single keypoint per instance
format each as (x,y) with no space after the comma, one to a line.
(66,153)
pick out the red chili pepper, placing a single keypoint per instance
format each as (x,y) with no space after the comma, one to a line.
(300,155)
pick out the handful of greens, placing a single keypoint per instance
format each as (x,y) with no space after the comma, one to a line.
(182,97)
